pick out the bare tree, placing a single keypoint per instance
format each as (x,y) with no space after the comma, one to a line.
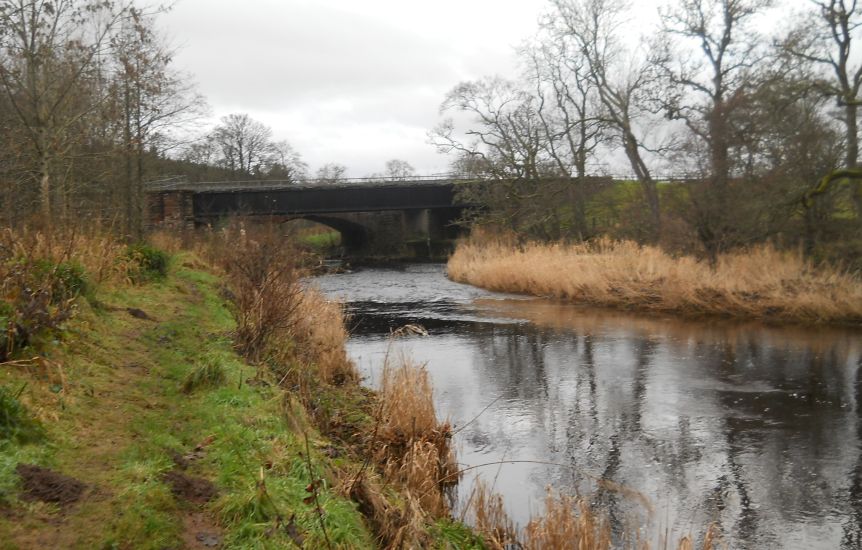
(153,100)
(245,145)
(507,138)
(286,163)
(331,173)
(48,51)
(827,46)
(706,91)
(571,115)
(590,29)
(399,170)
(505,128)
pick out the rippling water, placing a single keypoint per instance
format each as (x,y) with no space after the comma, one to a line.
(754,427)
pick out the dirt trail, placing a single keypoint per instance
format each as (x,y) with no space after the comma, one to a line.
(105,403)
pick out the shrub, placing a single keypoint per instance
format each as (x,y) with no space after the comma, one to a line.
(16,424)
(149,263)
(263,275)
(67,279)
(38,296)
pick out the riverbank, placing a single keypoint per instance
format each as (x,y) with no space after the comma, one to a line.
(758,283)
(201,397)
(132,422)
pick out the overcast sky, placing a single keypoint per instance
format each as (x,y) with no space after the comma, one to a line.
(347,81)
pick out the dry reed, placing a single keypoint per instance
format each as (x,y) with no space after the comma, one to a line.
(413,446)
(759,282)
(487,513)
(99,253)
(565,522)
(396,526)
(320,336)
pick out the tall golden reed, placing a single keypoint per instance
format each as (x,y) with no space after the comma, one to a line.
(414,446)
(565,522)
(759,282)
(320,336)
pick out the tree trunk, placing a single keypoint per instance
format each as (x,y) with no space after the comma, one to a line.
(809,235)
(852,160)
(127,158)
(648,185)
(577,200)
(852,135)
(138,189)
(45,192)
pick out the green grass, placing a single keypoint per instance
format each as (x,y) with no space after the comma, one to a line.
(16,422)
(122,418)
(454,535)
(322,241)
(208,374)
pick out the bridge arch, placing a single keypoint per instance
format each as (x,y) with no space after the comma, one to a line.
(354,236)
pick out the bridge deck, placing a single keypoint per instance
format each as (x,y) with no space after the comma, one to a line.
(322,200)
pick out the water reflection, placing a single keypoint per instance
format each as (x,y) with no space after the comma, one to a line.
(757,428)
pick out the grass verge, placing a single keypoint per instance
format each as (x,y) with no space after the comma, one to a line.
(176,441)
(170,412)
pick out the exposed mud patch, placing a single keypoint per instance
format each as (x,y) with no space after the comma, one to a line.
(48,486)
(194,489)
(199,531)
(139,314)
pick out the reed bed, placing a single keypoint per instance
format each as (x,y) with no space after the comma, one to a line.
(565,522)
(320,336)
(760,282)
(413,445)
(411,451)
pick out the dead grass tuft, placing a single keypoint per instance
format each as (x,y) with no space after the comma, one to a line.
(415,446)
(99,253)
(567,521)
(397,526)
(488,516)
(41,277)
(711,540)
(320,337)
(413,451)
(760,282)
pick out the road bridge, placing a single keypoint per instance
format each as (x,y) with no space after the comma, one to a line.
(374,216)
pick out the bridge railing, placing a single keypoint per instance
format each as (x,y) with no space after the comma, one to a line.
(180,183)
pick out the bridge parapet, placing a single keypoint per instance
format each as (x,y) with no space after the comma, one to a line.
(180,183)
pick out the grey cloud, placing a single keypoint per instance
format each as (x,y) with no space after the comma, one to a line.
(351,82)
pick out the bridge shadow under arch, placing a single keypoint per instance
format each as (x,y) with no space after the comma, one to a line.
(354,236)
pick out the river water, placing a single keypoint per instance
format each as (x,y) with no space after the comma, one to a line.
(668,425)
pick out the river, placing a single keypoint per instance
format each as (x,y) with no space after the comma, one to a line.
(754,427)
